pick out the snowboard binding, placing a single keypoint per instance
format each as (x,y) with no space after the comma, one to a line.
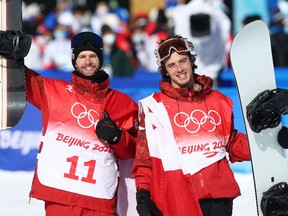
(265,110)
(275,200)
(14,44)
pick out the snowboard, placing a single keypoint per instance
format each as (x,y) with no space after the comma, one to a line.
(12,80)
(252,64)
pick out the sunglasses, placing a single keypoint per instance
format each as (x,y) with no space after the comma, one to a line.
(180,45)
(84,37)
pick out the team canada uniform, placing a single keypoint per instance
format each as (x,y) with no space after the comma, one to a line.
(74,167)
(188,134)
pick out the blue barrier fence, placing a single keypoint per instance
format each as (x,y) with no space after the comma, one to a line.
(281,75)
(19,145)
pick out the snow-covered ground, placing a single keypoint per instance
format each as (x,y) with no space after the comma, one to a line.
(245,205)
(15,187)
(14,195)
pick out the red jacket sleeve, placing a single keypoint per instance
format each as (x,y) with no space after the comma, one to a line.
(125,149)
(238,147)
(124,111)
(34,88)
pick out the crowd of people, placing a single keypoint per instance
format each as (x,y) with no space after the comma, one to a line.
(131,39)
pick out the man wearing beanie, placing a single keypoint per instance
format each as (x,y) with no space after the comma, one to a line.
(87,128)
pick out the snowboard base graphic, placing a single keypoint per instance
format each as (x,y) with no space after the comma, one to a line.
(12,80)
(253,68)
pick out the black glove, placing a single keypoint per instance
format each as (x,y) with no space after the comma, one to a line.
(107,130)
(14,44)
(145,206)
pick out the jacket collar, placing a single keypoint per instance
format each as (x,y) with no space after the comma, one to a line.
(89,88)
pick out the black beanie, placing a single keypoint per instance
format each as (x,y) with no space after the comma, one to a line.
(87,41)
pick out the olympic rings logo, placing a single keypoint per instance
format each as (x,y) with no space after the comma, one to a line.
(199,119)
(91,115)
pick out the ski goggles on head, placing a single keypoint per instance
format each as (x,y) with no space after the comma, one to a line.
(82,38)
(180,45)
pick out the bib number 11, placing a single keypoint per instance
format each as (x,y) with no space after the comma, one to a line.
(73,167)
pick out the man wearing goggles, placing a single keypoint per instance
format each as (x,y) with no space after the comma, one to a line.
(86,132)
(185,132)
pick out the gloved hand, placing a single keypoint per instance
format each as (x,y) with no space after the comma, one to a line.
(14,44)
(107,130)
(145,206)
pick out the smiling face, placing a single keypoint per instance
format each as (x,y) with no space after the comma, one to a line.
(179,68)
(87,63)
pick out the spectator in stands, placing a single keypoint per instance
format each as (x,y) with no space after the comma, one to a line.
(87,128)
(121,12)
(77,18)
(103,15)
(32,17)
(139,40)
(51,19)
(61,44)
(156,30)
(110,14)
(116,62)
(186,132)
